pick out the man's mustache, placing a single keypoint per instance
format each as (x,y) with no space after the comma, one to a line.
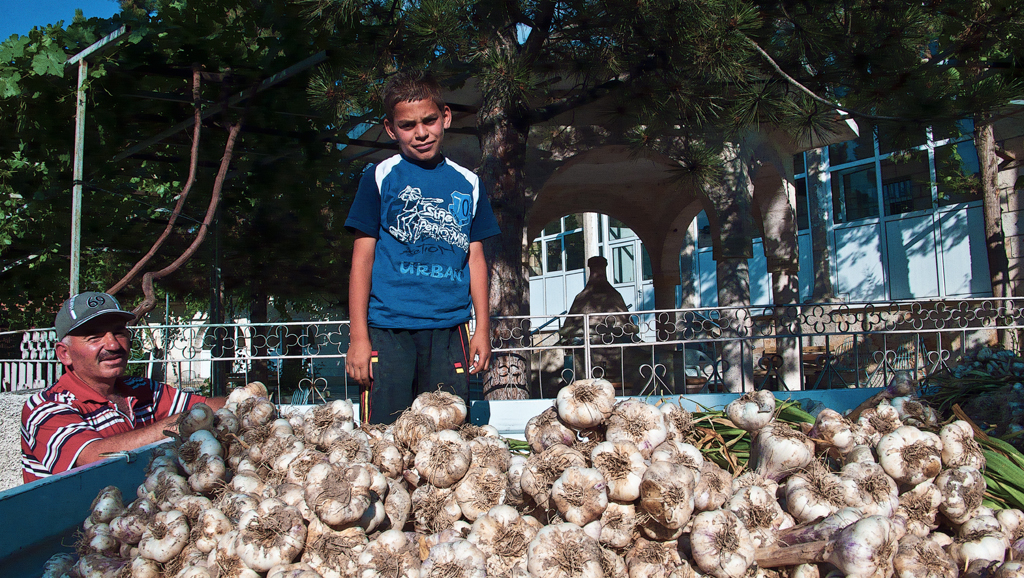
(113,354)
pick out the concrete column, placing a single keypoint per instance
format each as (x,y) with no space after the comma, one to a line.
(688,286)
(820,215)
(732,198)
(591,236)
(734,290)
(786,290)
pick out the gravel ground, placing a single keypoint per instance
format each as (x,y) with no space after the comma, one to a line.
(10,437)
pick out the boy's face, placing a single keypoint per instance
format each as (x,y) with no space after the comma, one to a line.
(418,126)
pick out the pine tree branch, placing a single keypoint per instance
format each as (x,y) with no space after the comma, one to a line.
(800,87)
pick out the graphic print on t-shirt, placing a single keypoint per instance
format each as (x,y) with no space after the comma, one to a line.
(422,217)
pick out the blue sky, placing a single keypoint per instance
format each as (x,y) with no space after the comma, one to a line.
(20,16)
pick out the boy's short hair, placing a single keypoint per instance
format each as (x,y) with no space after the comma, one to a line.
(410,86)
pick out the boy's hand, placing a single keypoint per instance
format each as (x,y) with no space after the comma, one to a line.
(479,353)
(357,364)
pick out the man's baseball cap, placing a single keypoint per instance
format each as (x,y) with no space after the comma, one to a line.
(85,307)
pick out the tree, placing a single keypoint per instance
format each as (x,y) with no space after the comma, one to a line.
(280,173)
(679,76)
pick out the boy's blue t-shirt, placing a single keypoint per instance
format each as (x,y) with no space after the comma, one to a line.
(424,219)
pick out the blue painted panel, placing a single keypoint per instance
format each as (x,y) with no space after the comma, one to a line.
(760,280)
(554,295)
(806,273)
(50,510)
(859,263)
(913,271)
(707,279)
(536,297)
(964,256)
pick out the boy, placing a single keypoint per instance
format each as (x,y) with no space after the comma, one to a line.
(418,268)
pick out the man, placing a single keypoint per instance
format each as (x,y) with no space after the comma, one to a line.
(93,409)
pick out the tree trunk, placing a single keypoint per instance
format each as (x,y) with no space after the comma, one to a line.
(503,137)
(988,165)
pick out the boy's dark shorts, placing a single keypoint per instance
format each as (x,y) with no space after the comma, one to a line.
(406,363)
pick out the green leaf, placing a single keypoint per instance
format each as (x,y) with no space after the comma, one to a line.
(9,86)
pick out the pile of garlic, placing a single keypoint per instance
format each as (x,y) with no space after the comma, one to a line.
(609,488)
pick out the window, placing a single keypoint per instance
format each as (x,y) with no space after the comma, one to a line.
(559,248)
(852,150)
(905,183)
(798,164)
(533,259)
(854,194)
(617,230)
(957,169)
(960,128)
(623,264)
(703,230)
(802,221)
(554,255)
(900,138)
(573,250)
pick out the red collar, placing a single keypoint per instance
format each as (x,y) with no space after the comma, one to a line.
(81,390)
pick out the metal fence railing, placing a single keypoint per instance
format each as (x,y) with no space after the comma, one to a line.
(644,353)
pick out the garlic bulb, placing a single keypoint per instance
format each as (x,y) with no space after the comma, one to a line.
(166,536)
(411,427)
(980,538)
(879,420)
(815,493)
(760,513)
(336,497)
(434,509)
(721,545)
(678,420)
(921,558)
(546,429)
(503,535)
(458,559)
(622,467)
(638,422)
(580,494)
(914,412)
(713,489)
(656,560)
(446,410)
(681,453)
(875,492)
(107,505)
(963,489)
(778,450)
(920,507)
(666,493)
(1011,519)
(443,458)
(836,433)
(959,447)
(617,524)
(482,488)
(333,553)
(544,468)
(910,455)
(391,554)
(490,451)
(752,411)
(272,534)
(561,550)
(585,403)
(865,549)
